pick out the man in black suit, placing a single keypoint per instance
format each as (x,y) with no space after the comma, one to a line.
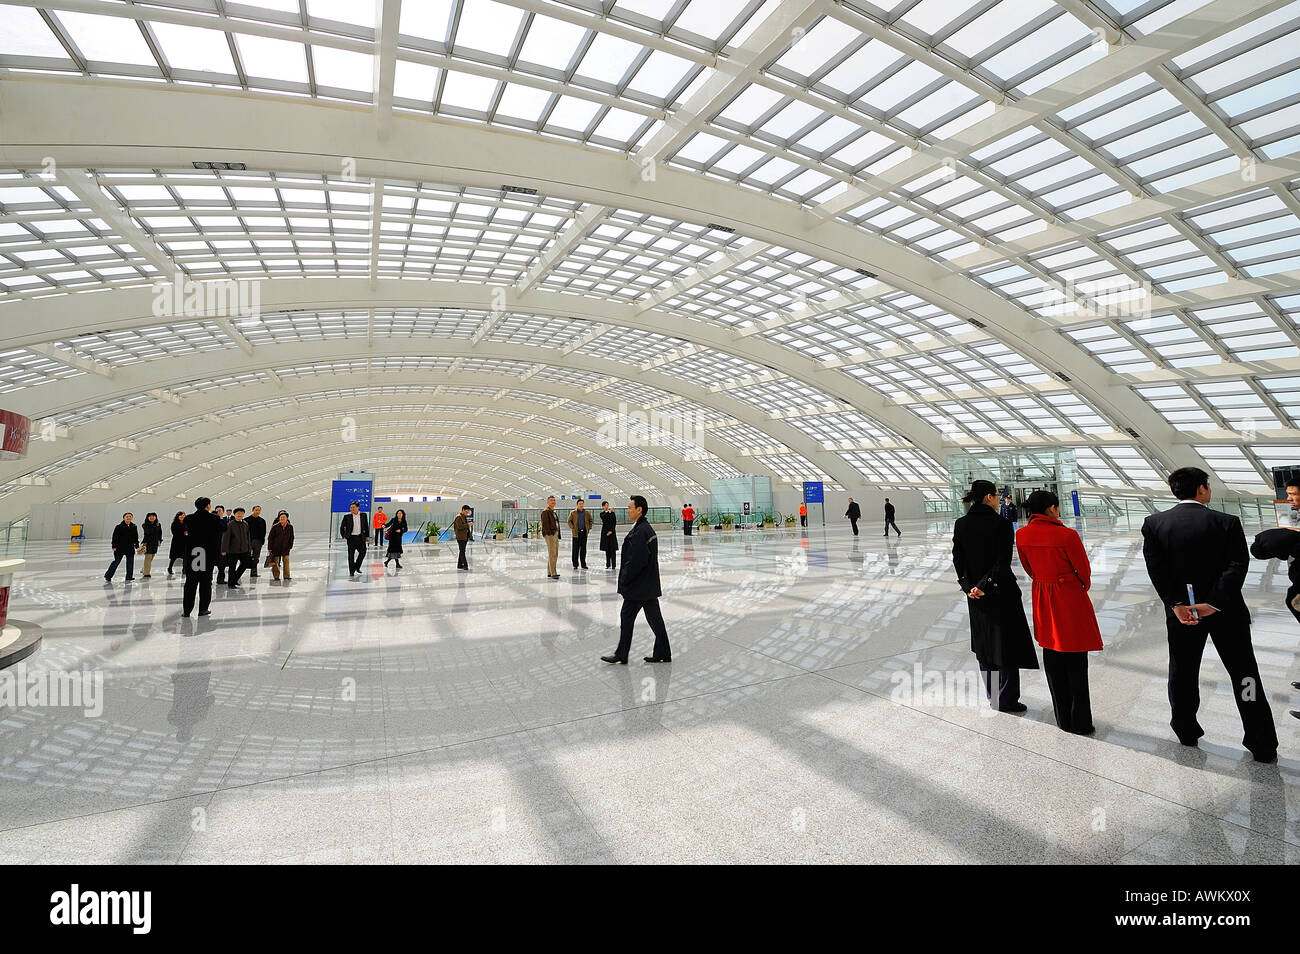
(638,584)
(355,529)
(854,513)
(1192,546)
(889,519)
(203,531)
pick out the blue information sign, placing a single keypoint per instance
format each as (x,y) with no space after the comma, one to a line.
(345,491)
(814,492)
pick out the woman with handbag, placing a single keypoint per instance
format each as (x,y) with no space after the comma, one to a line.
(999,633)
(1065,623)
(152,533)
(278,544)
(177,549)
(394,528)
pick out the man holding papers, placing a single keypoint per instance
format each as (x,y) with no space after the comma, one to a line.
(1196,558)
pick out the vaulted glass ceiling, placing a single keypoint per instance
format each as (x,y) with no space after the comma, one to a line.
(1083,222)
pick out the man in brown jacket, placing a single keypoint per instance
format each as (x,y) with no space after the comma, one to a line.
(460,526)
(551,534)
(579,527)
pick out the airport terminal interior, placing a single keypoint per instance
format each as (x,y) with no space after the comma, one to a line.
(718,276)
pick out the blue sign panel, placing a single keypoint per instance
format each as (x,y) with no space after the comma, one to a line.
(1074,497)
(814,492)
(345,491)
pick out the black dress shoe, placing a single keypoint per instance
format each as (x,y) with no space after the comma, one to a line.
(1088,731)
(205,612)
(1296,713)
(1295,685)
(657,659)
(1014,707)
(1265,757)
(1190,740)
(613,659)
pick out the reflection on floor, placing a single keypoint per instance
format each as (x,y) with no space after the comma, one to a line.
(435,716)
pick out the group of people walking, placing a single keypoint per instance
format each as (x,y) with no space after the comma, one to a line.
(356,528)
(1196,559)
(204,542)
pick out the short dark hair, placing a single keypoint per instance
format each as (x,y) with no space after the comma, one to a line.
(1185,481)
(127,514)
(1293,483)
(239,510)
(355,503)
(640,502)
(1040,500)
(464,506)
(979,489)
(202,503)
(219,507)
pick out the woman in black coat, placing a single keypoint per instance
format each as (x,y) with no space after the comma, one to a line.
(608,536)
(982,542)
(177,549)
(393,530)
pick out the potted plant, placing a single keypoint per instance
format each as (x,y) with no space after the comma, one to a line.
(534,529)
(499,528)
(431,533)
(789,520)
(728,522)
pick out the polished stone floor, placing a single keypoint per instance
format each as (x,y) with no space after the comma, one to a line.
(817,710)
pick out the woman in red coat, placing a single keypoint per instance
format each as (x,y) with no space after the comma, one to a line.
(1065,623)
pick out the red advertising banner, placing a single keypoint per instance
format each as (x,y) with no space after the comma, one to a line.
(16,430)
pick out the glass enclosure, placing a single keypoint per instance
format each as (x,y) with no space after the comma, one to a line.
(1016,474)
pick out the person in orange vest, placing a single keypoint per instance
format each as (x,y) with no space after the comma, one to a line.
(688,519)
(377,524)
(803,515)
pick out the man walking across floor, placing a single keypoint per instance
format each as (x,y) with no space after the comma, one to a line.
(889,518)
(355,530)
(688,520)
(460,527)
(236,547)
(551,534)
(854,513)
(638,584)
(579,527)
(126,538)
(1197,560)
(256,540)
(203,530)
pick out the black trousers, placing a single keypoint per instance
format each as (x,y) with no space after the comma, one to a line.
(1231,637)
(1067,681)
(255,558)
(611,559)
(379,535)
(129,556)
(236,564)
(580,550)
(627,619)
(854,522)
(686,527)
(1008,686)
(356,553)
(200,582)
(890,523)
(461,562)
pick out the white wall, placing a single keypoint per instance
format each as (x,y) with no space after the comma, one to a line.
(52,521)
